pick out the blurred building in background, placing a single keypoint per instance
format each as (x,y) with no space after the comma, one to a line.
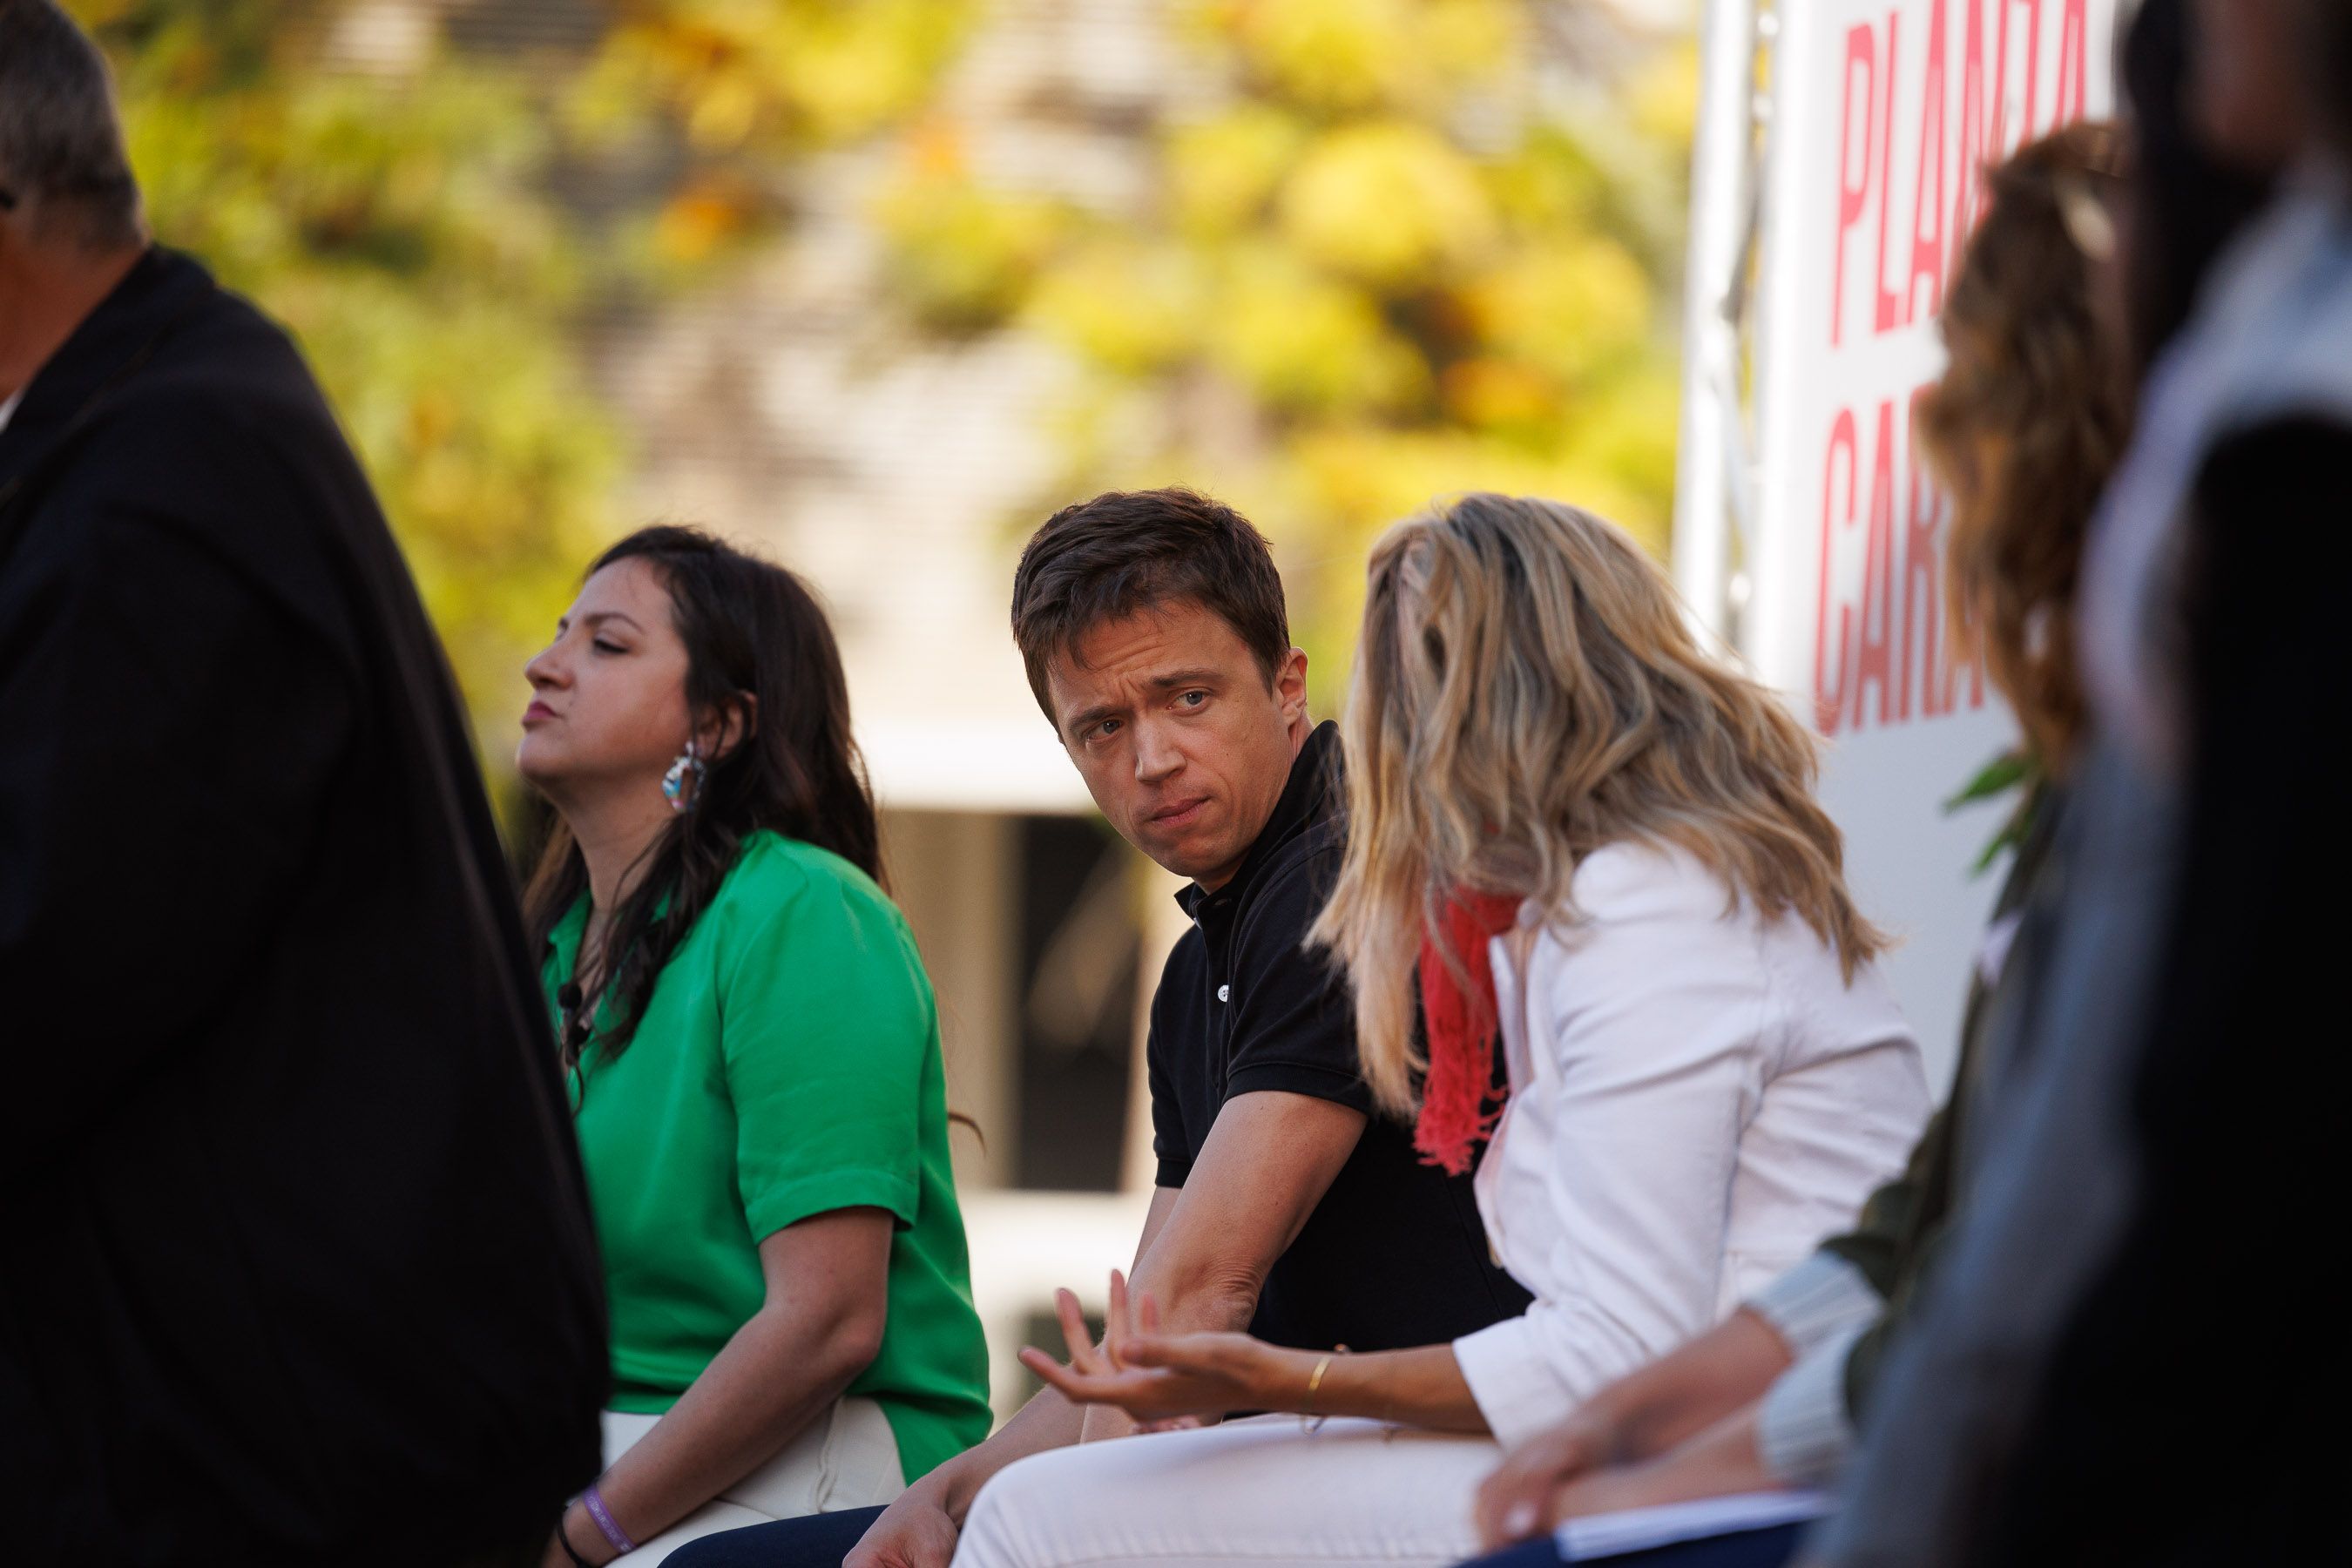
(877,286)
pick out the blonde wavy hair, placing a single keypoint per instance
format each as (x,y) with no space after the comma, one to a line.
(1526,691)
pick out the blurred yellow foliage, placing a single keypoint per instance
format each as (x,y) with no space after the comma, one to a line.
(965,259)
(1378,269)
(1387,201)
(1223,171)
(1299,341)
(768,76)
(701,218)
(1128,306)
(1349,56)
(1663,100)
(402,222)
(1381,256)
(1572,303)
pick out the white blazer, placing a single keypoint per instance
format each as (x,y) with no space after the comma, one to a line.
(1697,1098)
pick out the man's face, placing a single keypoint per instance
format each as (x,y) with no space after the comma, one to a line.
(1180,740)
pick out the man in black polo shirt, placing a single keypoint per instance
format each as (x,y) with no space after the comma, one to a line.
(1154,631)
(1392,1255)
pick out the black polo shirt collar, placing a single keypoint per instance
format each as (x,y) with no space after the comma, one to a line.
(1308,798)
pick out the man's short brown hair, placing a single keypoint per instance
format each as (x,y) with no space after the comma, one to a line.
(1129,551)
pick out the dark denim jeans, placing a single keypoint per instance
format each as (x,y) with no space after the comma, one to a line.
(819,1541)
(1770,1547)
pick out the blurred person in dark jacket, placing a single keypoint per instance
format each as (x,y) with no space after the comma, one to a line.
(2136,1305)
(2234,1102)
(299,1267)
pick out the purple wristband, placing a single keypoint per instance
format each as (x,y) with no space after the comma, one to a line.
(595,1498)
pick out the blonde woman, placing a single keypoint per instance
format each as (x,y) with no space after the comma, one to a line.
(1568,824)
(2023,429)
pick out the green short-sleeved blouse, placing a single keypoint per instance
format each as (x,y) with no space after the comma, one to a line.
(787,1065)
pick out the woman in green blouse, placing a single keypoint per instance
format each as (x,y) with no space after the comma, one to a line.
(753,1058)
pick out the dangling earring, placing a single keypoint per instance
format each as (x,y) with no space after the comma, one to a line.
(683,783)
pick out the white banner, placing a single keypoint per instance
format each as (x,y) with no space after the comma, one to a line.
(1884,114)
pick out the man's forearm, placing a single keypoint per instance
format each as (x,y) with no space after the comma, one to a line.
(1208,1245)
(1189,1301)
(1195,1297)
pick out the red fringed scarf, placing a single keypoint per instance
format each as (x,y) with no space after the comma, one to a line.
(1461,1020)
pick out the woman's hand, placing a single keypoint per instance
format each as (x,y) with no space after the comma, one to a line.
(1722,1461)
(1155,1379)
(1522,1497)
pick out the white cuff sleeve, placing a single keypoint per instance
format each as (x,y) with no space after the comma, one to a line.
(1513,1391)
(1822,1297)
(1802,1430)
(1530,1371)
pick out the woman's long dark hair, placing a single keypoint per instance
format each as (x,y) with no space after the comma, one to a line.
(753,630)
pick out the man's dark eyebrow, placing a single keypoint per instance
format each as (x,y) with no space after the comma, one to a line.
(1178,678)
